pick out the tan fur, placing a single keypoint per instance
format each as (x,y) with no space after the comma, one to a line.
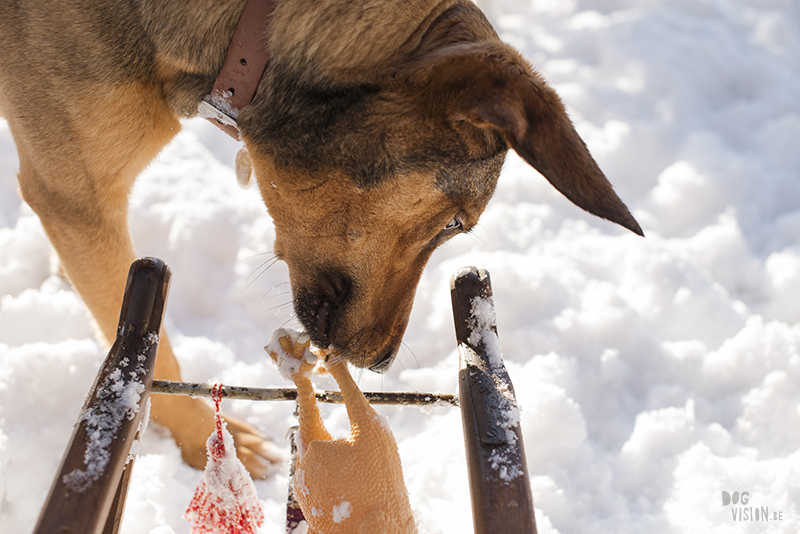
(376,125)
(382,243)
(356,22)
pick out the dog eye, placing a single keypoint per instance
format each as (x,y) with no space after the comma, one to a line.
(455,224)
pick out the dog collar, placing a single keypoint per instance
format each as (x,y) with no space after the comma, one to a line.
(242,68)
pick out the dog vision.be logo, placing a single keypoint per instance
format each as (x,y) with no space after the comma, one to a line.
(743,512)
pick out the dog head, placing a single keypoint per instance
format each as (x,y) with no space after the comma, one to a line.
(364,180)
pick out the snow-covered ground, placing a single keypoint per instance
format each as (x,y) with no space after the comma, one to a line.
(653,374)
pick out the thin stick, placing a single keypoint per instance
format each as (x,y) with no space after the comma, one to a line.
(278,394)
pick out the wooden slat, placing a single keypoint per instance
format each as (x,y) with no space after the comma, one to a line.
(194,389)
(498,474)
(294,514)
(114,517)
(88,492)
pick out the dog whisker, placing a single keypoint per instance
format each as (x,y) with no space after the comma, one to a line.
(362,360)
(358,375)
(381,331)
(271,258)
(271,262)
(473,234)
(256,255)
(287,321)
(350,343)
(407,349)
(279,306)
(275,295)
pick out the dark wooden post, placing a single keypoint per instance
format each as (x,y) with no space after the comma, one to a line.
(294,515)
(88,493)
(498,474)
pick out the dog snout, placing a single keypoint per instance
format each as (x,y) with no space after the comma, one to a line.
(318,307)
(384,360)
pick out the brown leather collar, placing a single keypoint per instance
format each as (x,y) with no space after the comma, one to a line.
(242,68)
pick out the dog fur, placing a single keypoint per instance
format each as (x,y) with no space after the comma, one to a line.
(377,133)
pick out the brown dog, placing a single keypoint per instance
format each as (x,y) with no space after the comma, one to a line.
(377,133)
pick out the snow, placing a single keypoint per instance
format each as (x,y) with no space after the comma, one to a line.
(287,363)
(483,334)
(652,374)
(385,424)
(342,511)
(482,322)
(121,397)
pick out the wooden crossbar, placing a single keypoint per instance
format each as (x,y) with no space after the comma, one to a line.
(289,394)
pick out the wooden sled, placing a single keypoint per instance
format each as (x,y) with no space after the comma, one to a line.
(89,490)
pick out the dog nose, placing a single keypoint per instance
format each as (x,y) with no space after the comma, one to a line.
(384,360)
(318,307)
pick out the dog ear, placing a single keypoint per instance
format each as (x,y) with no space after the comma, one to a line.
(494,88)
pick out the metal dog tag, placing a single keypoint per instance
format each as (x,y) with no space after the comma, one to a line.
(208,111)
(244,169)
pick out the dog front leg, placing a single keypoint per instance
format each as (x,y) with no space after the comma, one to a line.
(88,228)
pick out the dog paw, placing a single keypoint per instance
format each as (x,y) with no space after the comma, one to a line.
(191,422)
(259,455)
